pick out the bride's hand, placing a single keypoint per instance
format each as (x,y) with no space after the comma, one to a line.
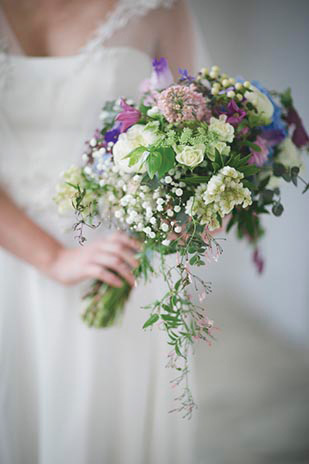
(99,260)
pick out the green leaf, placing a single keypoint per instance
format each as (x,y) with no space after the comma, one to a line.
(263,183)
(306,188)
(153,163)
(195,180)
(249,170)
(277,209)
(294,174)
(231,222)
(253,146)
(249,185)
(268,195)
(279,169)
(153,318)
(167,160)
(286,98)
(218,158)
(135,155)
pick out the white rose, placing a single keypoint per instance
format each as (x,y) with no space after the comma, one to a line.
(223,129)
(136,136)
(222,148)
(261,102)
(190,156)
(289,155)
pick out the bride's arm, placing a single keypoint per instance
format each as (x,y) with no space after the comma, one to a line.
(29,242)
(177,39)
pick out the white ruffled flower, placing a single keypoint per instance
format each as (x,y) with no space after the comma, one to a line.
(136,136)
(190,156)
(224,191)
(262,103)
(223,129)
(222,148)
(154,111)
(289,155)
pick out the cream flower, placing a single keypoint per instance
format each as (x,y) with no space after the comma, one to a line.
(222,148)
(190,156)
(136,136)
(217,198)
(289,155)
(223,129)
(262,103)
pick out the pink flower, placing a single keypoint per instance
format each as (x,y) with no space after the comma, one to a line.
(182,103)
(128,116)
(259,157)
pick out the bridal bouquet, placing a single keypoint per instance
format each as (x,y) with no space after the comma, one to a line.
(171,169)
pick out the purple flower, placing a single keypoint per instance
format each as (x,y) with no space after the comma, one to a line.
(161,75)
(300,136)
(112,134)
(234,114)
(128,116)
(259,157)
(272,136)
(185,75)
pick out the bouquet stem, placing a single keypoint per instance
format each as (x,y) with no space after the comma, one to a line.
(105,304)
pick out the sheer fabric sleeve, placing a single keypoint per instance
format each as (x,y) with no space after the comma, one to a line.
(181,39)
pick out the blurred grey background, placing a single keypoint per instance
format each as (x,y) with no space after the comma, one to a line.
(254,382)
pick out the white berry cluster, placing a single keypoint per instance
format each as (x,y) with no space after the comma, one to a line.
(139,207)
(217,198)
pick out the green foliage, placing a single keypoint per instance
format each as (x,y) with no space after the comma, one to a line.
(286,98)
(159,161)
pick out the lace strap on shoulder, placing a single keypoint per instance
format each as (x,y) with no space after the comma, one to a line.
(125,11)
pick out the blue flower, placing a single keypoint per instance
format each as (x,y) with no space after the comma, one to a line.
(185,75)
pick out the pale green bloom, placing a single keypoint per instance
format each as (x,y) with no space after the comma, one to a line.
(217,198)
(223,129)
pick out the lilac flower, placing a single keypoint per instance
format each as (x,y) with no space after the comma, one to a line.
(259,157)
(185,75)
(128,116)
(300,136)
(234,114)
(161,75)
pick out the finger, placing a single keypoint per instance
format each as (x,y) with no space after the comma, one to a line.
(126,240)
(117,265)
(101,273)
(122,252)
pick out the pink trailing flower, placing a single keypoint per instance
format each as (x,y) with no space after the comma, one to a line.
(259,157)
(181,103)
(128,116)
(258,260)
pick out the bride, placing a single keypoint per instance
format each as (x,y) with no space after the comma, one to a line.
(69,394)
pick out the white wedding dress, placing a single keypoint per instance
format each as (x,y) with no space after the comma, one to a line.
(70,394)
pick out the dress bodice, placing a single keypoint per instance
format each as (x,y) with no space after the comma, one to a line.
(49,106)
